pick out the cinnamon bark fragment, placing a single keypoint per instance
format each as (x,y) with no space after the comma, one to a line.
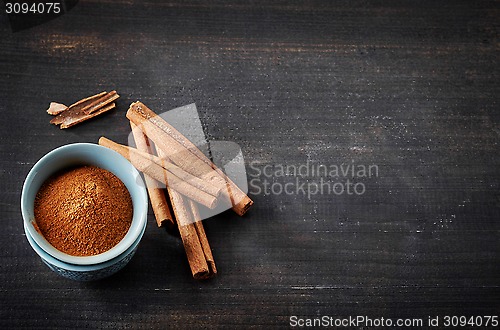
(85,109)
(101,102)
(76,108)
(72,121)
(56,108)
(190,239)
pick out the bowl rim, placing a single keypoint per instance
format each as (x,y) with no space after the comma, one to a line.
(92,150)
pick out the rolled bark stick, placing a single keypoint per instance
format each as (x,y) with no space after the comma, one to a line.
(160,174)
(186,155)
(167,165)
(186,176)
(195,251)
(177,153)
(159,204)
(203,238)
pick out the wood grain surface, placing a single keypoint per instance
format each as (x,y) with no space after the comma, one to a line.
(409,86)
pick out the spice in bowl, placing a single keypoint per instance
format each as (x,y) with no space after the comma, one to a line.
(83,211)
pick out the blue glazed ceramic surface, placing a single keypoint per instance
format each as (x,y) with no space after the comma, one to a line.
(86,272)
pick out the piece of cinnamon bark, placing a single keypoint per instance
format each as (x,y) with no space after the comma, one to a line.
(75,108)
(56,108)
(101,102)
(73,120)
(85,109)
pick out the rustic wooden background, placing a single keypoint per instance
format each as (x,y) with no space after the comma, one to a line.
(411,86)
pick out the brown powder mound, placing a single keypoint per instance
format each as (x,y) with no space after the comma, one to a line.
(83,211)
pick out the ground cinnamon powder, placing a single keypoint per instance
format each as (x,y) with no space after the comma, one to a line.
(83,211)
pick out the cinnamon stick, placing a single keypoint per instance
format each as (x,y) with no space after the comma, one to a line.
(179,155)
(203,238)
(189,235)
(186,155)
(195,241)
(167,165)
(147,165)
(159,204)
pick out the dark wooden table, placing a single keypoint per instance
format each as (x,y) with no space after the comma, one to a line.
(409,86)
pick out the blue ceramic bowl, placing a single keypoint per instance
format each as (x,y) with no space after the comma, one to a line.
(84,154)
(86,272)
